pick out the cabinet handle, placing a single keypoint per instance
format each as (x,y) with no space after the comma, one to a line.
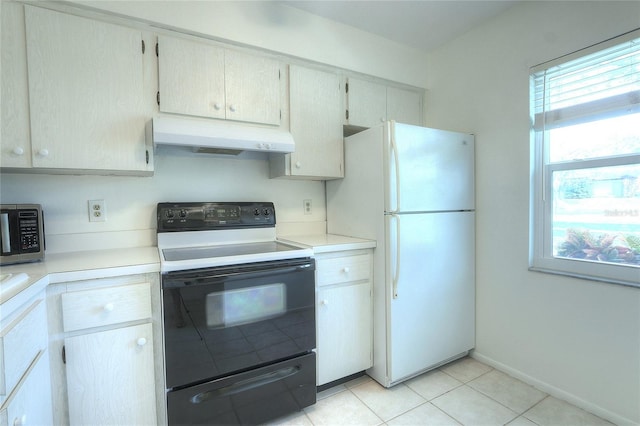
(18,150)
(108,307)
(217,106)
(345,269)
(43,152)
(324,302)
(298,164)
(20,421)
(232,108)
(141,341)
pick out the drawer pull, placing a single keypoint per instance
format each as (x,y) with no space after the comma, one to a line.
(108,307)
(345,269)
(20,421)
(324,302)
(141,341)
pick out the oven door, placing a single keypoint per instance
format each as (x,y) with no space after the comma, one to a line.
(226,320)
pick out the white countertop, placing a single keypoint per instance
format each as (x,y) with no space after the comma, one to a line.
(86,265)
(324,243)
(76,266)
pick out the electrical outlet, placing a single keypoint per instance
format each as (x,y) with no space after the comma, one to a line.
(306,204)
(97,211)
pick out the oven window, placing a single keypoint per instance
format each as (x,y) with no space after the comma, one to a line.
(245,305)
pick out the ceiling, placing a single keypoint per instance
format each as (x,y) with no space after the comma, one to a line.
(421,24)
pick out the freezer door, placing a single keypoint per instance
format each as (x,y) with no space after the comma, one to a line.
(429,169)
(431,290)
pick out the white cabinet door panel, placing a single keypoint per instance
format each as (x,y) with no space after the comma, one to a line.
(252,85)
(345,333)
(367,103)
(316,123)
(404,106)
(191,78)
(85,93)
(109,375)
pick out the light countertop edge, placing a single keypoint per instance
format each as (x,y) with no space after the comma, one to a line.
(325,243)
(78,266)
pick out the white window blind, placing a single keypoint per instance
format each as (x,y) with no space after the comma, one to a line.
(604,84)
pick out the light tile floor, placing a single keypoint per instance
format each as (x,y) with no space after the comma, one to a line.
(465,392)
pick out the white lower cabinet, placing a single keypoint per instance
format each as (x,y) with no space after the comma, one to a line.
(25,385)
(31,402)
(106,339)
(343,314)
(110,377)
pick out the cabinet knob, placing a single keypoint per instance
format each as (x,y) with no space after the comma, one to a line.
(43,152)
(345,269)
(217,106)
(382,119)
(20,421)
(18,150)
(141,341)
(233,108)
(298,164)
(108,307)
(324,302)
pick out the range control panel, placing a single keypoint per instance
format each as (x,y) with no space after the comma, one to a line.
(214,215)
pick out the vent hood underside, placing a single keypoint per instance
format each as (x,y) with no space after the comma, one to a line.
(219,137)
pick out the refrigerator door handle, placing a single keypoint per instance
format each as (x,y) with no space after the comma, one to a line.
(396,269)
(396,162)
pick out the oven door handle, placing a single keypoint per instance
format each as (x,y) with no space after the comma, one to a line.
(201,277)
(245,385)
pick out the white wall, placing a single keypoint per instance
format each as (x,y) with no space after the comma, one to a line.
(131,201)
(579,339)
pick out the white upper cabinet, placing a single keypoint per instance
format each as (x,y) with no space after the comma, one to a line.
(15,144)
(369,104)
(404,106)
(366,103)
(204,80)
(316,104)
(86,94)
(191,78)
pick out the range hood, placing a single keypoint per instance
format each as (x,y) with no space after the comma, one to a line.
(219,136)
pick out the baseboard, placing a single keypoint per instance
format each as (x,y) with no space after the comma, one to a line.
(554,391)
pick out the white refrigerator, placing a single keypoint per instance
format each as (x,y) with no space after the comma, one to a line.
(411,189)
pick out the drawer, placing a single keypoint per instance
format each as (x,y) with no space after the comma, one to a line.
(20,342)
(337,270)
(105,306)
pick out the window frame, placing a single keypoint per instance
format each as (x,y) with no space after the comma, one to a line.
(541,256)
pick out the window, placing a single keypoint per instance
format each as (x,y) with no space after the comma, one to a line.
(585,192)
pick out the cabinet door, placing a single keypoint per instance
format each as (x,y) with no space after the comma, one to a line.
(367,103)
(252,86)
(14,131)
(344,321)
(110,377)
(404,106)
(85,93)
(30,404)
(191,78)
(316,123)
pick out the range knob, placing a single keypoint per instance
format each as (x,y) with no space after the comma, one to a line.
(183,213)
(266,212)
(256,212)
(170,214)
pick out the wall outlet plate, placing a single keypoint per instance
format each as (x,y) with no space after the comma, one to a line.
(306,205)
(97,211)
